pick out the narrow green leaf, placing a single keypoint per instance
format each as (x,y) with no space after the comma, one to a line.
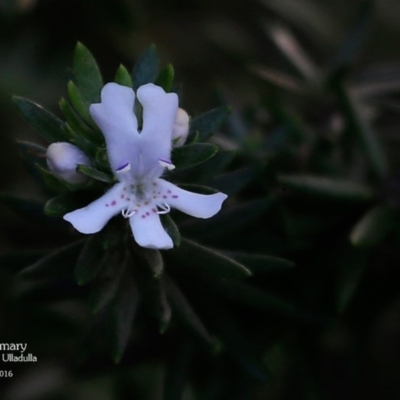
(184,311)
(359,124)
(80,103)
(60,205)
(107,281)
(261,263)
(201,189)
(327,188)
(166,78)
(171,228)
(233,182)
(240,347)
(207,261)
(122,77)
(153,294)
(32,154)
(151,260)
(95,174)
(90,260)
(60,262)
(242,293)
(177,370)
(288,44)
(78,124)
(123,310)
(50,180)
(353,264)
(146,68)
(206,124)
(192,154)
(45,123)
(227,221)
(87,75)
(356,38)
(373,227)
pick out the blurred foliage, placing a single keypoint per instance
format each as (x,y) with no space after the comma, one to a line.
(309,157)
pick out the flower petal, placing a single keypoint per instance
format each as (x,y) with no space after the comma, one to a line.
(148,230)
(194,204)
(116,119)
(159,112)
(93,218)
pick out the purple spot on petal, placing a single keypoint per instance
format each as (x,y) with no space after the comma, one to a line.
(175,196)
(169,191)
(106,205)
(143,216)
(147,213)
(154,210)
(113,203)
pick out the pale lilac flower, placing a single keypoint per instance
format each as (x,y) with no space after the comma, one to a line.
(63,158)
(138,159)
(180,129)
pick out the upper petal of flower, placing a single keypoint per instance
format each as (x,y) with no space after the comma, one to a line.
(194,204)
(148,230)
(93,218)
(116,119)
(159,112)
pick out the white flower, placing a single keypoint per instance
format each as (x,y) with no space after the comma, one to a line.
(63,158)
(138,160)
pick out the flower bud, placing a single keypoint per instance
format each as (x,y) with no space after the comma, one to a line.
(181,128)
(62,160)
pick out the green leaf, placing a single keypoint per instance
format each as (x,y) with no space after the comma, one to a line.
(233,182)
(32,154)
(184,312)
(201,189)
(95,174)
(206,124)
(151,260)
(242,293)
(50,180)
(60,262)
(239,346)
(207,261)
(146,68)
(106,283)
(290,47)
(77,124)
(122,77)
(356,38)
(176,370)
(260,263)
(359,124)
(229,220)
(334,189)
(153,293)
(123,310)
(353,264)
(171,228)
(90,260)
(87,75)
(373,227)
(62,204)
(45,123)
(166,78)
(192,154)
(80,103)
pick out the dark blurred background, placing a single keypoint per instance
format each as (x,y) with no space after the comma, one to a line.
(223,51)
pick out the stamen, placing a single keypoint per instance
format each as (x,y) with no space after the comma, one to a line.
(166,164)
(163,210)
(124,168)
(128,213)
